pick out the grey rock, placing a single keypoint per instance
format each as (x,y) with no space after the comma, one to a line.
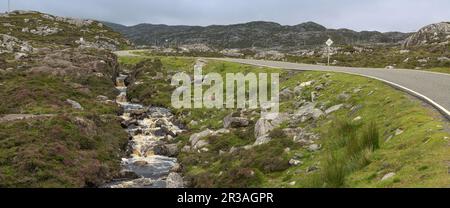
(102,98)
(389,67)
(443,59)
(333,109)
(355,109)
(19,56)
(263,127)
(201,145)
(75,104)
(169,150)
(158,112)
(298,90)
(176,168)
(398,132)
(286,94)
(174,180)
(308,111)
(262,140)
(388,176)
(344,97)
(233,150)
(319,87)
(314,147)
(129,123)
(186,149)
(294,162)
(306,138)
(292,132)
(169,131)
(235,122)
(430,34)
(196,139)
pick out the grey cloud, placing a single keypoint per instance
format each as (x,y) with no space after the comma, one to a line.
(382,15)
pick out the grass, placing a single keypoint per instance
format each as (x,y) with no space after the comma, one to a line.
(71,149)
(85,144)
(346,153)
(34,153)
(357,154)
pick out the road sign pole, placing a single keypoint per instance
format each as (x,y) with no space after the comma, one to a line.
(328,55)
(329,43)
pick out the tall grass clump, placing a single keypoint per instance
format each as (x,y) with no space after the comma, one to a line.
(349,146)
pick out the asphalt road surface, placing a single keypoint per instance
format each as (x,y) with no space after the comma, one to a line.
(431,87)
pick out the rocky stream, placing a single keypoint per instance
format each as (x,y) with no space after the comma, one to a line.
(151,161)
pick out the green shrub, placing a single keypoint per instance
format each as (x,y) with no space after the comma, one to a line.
(277,134)
(349,150)
(334,170)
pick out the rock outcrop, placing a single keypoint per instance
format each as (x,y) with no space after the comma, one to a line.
(434,34)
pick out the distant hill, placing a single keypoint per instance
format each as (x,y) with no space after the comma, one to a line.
(434,34)
(253,34)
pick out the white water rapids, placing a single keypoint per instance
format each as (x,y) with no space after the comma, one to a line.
(152,169)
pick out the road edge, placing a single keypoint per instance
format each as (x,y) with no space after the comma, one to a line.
(424,98)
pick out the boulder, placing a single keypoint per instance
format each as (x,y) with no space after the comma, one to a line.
(262,140)
(75,104)
(298,90)
(196,139)
(305,138)
(308,111)
(102,98)
(176,168)
(201,145)
(314,147)
(128,123)
(319,87)
(19,56)
(292,132)
(307,84)
(169,150)
(263,127)
(174,180)
(334,109)
(235,122)
(294,162)
(398,132)
(169,131)
(157,112)
(388,176)
(286,94)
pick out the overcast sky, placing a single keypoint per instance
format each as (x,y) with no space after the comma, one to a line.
(381,15)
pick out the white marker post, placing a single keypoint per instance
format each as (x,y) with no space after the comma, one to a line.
(329,43)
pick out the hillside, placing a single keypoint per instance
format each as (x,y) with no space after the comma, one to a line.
(334,130)
(58,123)
(435,34)
(253,34)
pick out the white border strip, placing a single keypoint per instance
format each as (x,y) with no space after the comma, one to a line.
(438,107)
